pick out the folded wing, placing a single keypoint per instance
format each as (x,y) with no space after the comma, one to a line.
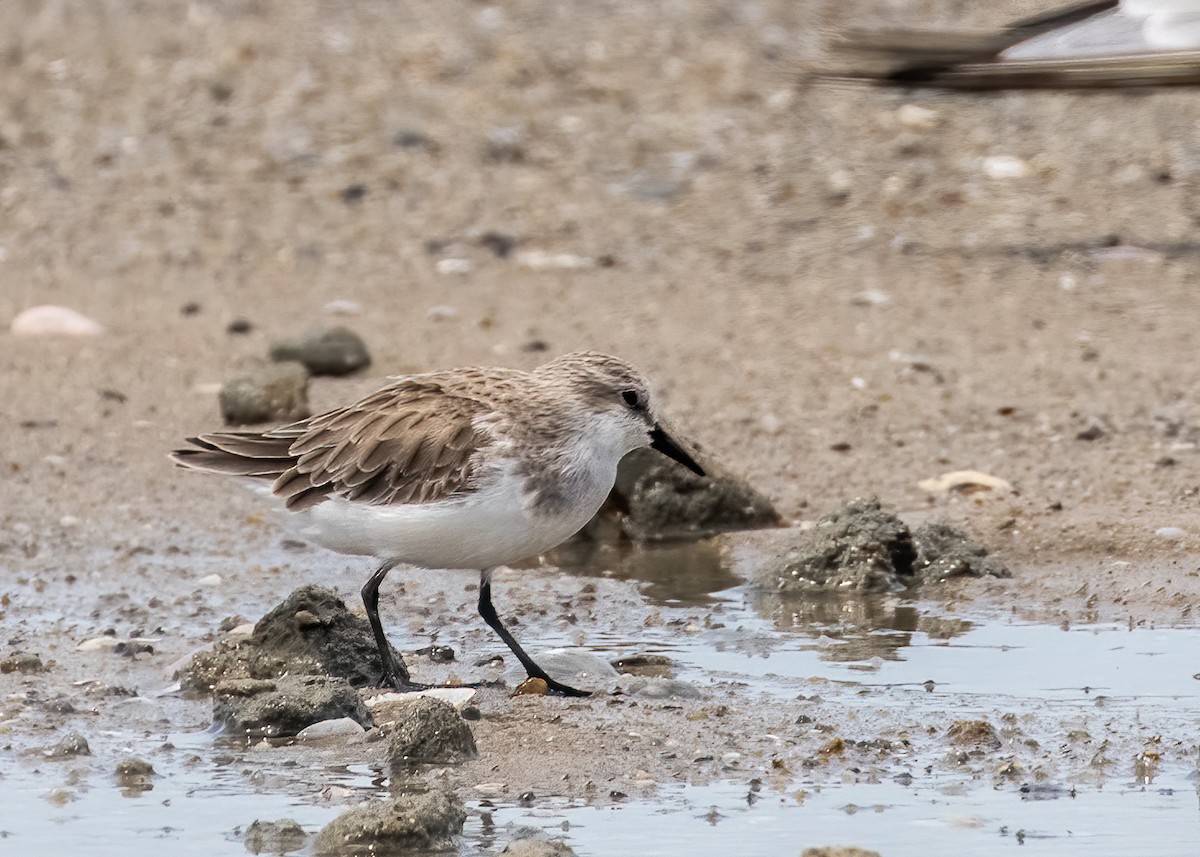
(412,442)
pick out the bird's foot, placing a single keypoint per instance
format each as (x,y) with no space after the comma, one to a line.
(409,686)
(559,689)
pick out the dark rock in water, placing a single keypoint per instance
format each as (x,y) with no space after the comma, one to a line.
(270,394)
(408,824)
(531,842)
(428,730)
(132,766)
(324,351)
(135,775)
(283,706)
(944,552)
(71,744)
(274,837)
(658,499)
(310,633)
(865,548)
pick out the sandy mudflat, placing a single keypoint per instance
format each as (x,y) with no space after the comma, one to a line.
(833,293)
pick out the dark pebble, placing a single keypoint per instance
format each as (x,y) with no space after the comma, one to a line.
(354,193)
(324,351)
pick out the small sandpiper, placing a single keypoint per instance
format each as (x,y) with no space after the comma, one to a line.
(465,468)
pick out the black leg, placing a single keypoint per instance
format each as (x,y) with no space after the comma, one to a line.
(394,671)
(488,611)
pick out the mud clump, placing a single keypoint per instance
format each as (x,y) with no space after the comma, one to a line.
(310,633)
(134,775)
(428,730)
(406,825)
(22,663)
(283,706)
(974,733)
(656,499)
(944,552)
(274,837)
(272,393)
(71,744)
(862,547)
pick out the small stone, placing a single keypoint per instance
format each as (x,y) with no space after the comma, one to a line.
(1005,167)
(410,139)
(239,327)
(499,243)
(23,663)
(342,306)
(531,842)
(72,744)
(354,193)
(270,394)
(453,265)
(50,320)
(131,766)
(871,297)
(284,706)
(328,730)
(381,703)
(428,730)
(531,687)
(210,580)
(274,837)
(408,824)
(916,117)
(441,312)
(504,145)
(1164,532)
(324,351)
(642,664)
(650,687)
(540,260)
(98,644)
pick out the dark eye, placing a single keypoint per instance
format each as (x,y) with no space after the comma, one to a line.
(634,399)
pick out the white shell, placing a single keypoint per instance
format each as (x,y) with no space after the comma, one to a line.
(50,320)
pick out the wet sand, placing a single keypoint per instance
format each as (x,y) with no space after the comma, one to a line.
(834,295)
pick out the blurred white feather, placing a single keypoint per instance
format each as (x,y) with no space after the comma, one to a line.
(1134,27)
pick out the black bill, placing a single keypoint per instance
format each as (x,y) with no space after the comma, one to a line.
(663,442)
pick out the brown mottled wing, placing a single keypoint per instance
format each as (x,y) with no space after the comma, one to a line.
(411,442)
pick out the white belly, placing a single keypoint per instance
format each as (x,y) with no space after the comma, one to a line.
(494,526)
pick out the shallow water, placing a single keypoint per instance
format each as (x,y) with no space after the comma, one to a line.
(878,661)
(922,819)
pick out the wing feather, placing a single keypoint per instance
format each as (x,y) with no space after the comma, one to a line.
(411,442)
